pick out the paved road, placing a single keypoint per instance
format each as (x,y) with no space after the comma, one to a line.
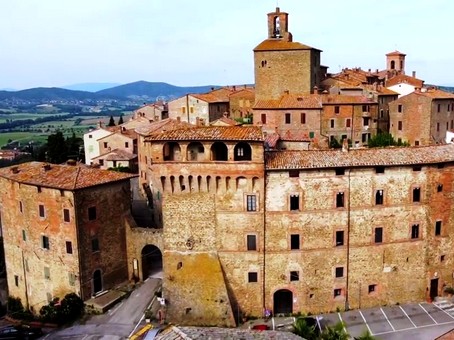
(118,322)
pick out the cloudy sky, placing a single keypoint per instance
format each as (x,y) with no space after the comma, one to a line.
(200,42)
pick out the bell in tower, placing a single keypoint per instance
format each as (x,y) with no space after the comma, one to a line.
(278,25)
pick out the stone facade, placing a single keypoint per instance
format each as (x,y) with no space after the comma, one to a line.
(59,224)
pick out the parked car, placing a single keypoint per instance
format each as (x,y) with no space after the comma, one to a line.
(20,332)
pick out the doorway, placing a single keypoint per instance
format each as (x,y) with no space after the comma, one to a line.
(151,261)
(433,288)
(283,302)
(97,282)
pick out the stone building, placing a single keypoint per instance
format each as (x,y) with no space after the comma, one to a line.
(241,103)
(117,149)
(422,117)
(296,231)
(280,64)
(59,224)
(154,111)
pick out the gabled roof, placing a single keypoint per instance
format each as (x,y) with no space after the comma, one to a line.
(290,101)
(162,125)
(281,45)
(404,79)
(434,94)
(64,177)
(130,134)
(391,156)
(117,155)
(224,121)
(224,133)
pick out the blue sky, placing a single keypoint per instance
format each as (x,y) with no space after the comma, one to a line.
(200,42)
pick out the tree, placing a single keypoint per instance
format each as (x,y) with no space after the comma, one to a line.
(336,332)
(304,330)
(56,148)
(365,336)
(120,121)
(111,122)
(385,139)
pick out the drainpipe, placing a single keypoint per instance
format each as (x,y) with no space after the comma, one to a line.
(25,281)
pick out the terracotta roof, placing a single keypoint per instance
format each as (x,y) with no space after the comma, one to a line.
(249,133)
(395,53)
(435,94)
(402,78)
(224,121)
(271,140)
(332,99)
(391,156)
(117,155)
(210,97)
(125,133)
(281,45)
(295,136)
(217,333)
(65,177)
(287,101)
(244,93)
(162,125)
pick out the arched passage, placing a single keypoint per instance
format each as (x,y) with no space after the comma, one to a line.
(219,152)
(151,261)
(243,152)
(283,302)
(97,281)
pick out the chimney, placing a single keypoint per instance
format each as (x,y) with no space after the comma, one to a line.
(212,88)
(413,74)
(15,169)
(225,114)
(245,86)
(376,70)
(100,124)
(315,89)
(178,119)
(234,87)
(369,70)
(345,145)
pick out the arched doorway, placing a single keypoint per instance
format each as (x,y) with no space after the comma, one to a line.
(283,302)
(97,281)
(151,261)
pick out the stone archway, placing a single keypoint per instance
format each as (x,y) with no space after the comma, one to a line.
(283,302)
(151,261)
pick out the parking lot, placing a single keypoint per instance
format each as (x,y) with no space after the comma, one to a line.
(421,321)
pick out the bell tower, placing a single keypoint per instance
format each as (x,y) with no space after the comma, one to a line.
(278,25)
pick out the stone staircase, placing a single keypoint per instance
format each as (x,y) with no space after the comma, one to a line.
(445,303)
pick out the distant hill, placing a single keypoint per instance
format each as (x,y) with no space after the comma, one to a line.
(153,90)
(447,88)
(90,87)
(45,94)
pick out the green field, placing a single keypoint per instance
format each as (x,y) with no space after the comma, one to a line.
(18,116)
(23,137)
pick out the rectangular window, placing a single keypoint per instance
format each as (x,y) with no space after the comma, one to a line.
(399,108)
(66,217)
(263,118)
(339,238)
(16,280)
(417,168)
(294,276)
(365,121)
(378,235)
(372,288)
(47,273)
(183,109)
(438,107)
(340,171)
(252,277)
(399,125)
(332,123)
(71,279)
(105,145)
(437,228)
(288,118)
(45,242)
(294,202)
(251,203)
(42,212)
(380,170)
(251,242)
(69,247)
(101,161)
(416,195)
(439,187)
(303,118)
(340,200)
(442,258)
(337,292)
(294,173)
(94,245)
(24,235)
(339,271)
(294,241)
(21,207)
(379,197)
(438,126)
(415,231)
(336,109)
(348,122)
(126,145)
(92,213)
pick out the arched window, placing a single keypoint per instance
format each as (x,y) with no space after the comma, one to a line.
(196,152)
(242,152)
(172,151)
(219,152)
(393,64)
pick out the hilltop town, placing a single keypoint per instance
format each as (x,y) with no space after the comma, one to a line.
(308,192)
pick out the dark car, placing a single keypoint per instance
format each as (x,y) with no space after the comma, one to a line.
(20,332)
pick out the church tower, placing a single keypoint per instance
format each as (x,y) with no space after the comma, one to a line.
(283,65)
(395,62)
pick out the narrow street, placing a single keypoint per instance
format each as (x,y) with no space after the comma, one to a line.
(116,323)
